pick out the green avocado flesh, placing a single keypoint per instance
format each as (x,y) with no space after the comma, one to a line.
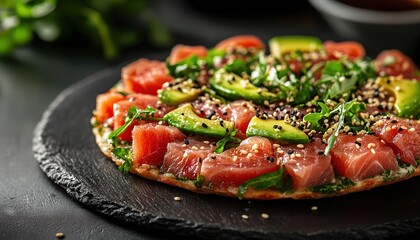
(233,87)
(285,44)
(277,130)
(185,119)
(407,96)
(174,97)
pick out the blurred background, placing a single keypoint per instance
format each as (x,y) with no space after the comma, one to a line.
(112,28)
(48,45)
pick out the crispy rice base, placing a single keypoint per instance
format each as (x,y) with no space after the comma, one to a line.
(154,173)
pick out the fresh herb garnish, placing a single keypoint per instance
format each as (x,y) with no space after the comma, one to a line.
(348,115)
(278,179)
(187,69)
(133,113)
(330,188)
(387,175)
(126,155)
(341,78)
(199,181)
(227,142)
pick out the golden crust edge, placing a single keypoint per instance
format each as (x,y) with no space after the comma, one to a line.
(152,173)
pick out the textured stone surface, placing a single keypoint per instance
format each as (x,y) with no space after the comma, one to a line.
(67,153)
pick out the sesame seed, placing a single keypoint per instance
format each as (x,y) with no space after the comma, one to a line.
(373,150)
(194,148)
(265,215)
(254,147)
(185,155)
(59,235)
(300,146)
(290,151)
(314,208)
(235,158)
(412,129)
(177,198)
(371,145)
(244,216)
(204,125)
(243,151)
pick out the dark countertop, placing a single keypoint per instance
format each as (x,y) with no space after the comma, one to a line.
(32,206)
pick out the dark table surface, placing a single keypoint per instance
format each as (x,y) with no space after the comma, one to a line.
(32,206)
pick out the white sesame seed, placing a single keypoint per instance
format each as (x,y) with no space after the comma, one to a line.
(265,215)
(185,155)
(177,198)
(243,151)
(244,216)
(59,235)
(300,146)
(373,150)
(412,129)
(194,148)
(254,147)
(314,208)
(206,142)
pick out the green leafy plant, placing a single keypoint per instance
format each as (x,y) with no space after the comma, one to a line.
(110,26)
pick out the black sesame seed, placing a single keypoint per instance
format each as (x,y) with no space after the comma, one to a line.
(200,160)
(204,125)
(291,151)
(213,157)
(227,130)
(400,129)
(270,158)
(358,143)
(376,93)
(186,141)
(224,113)
(320,152)
(275,126)
(394,121)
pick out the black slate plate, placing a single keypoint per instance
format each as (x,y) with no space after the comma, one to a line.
(67,153)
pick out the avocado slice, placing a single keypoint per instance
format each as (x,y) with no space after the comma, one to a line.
(179,91)
(277,130)
(233,87)
(285,44)
(407,95)
(185,119)
(174,97)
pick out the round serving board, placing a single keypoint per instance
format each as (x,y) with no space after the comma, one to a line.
(66,150)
